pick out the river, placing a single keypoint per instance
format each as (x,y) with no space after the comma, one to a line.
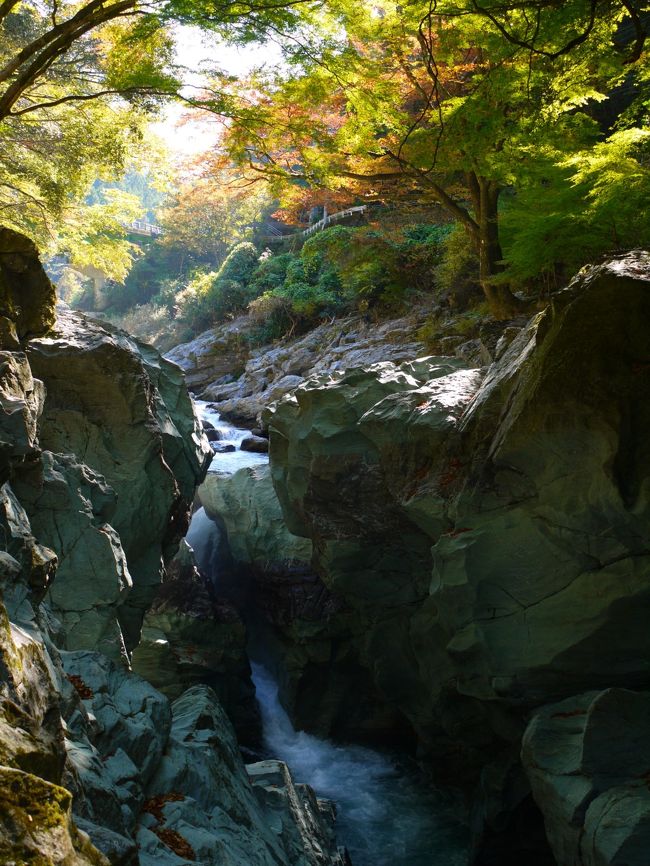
(387,815)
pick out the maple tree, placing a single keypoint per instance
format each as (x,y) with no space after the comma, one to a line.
(458,103)
(78,83)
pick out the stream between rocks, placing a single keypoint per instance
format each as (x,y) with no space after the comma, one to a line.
(386,814)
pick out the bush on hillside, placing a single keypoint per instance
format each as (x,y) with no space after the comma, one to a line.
(457,274)
(221,294)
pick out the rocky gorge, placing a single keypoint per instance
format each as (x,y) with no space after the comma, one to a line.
(450,553)
(101,453)
(445,555)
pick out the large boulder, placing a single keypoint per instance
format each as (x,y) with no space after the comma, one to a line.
(124,411)
(249,509)
(488,528)
(587,759)
(27,297)
(203,807)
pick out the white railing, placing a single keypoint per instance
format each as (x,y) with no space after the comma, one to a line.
(141,227)
(320,225)
(332,218)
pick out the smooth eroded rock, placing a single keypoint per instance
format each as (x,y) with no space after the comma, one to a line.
(125,412)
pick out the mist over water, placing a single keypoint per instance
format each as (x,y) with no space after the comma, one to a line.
(386,817)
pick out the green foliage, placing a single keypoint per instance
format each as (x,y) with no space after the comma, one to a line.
(271,273)
(422,249)
(576,208)
(457,273)
(365,262)
(239,264)
(221,294)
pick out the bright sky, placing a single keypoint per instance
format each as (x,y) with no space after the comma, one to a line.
(195,50)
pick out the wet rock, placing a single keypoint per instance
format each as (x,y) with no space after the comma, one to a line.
(213,435)
(324,682)
(223,447)
(304,823)
(255,443)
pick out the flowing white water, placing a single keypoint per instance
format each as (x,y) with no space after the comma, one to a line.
(204,537)
(230,461)
(386,817)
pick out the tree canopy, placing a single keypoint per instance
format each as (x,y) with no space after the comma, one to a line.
(78,84)
(464,103)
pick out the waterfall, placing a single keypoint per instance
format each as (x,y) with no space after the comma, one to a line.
(204,537)
(386,816)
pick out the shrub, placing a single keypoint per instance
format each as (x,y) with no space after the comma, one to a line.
(221,294)
(270,273)
(271,315)
(240,264)
(457,274)
(364,261)
(422,250)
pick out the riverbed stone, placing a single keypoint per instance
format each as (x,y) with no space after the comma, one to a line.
(258,444)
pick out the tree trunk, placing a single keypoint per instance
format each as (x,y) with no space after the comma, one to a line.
(485,194)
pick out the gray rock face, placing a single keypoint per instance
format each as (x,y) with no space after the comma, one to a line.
(249,508)
(124,411)
(489,529)
(270,373)
(71,509)
(212,355)
(27,297)
(203,806)
(190,636)
(75,717)
(587,759)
